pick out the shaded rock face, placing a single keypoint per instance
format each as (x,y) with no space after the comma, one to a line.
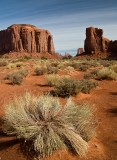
(113,46)
(26,38)
(95,42)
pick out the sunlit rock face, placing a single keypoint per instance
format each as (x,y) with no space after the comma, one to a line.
(26,38)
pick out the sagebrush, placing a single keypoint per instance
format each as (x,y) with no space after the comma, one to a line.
(48,126)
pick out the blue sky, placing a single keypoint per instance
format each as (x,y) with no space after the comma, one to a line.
(65,19)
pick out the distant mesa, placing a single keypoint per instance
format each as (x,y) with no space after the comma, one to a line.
(26,38)
(80,51)
(95,42)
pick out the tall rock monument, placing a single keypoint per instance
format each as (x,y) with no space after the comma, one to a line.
(26,38)
(95,42)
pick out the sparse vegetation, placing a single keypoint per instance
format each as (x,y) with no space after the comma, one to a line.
(15,78)
(3,63)
(52,70)
(52,79)
(40,71)
(114,68)
(66,87)
(86,86)
(106,73)
(48,126)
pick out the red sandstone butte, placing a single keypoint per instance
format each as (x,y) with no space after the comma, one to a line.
(95,42)
(26,38)
(80,51)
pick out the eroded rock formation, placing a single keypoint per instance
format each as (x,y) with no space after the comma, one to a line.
(95,42)
(80,51)
(113,46)
(26,38)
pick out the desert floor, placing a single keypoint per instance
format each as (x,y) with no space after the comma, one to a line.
(103,98)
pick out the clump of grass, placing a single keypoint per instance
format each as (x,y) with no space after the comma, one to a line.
(3,63)
(40,71)
(52,79)
(66,87)
(52,70)
(91,75)
(23,72)
(114,68)
(86,86)
(15,78)
(83,67)
(106,73)
(11,65)
(48,126)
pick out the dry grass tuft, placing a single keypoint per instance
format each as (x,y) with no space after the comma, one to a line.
(48,126)
(106,73)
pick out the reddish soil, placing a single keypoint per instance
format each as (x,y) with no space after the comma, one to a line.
(103,98)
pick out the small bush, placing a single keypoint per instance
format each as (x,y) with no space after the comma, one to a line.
(40,71)
(86,86)
(66,87)
(52,79)
(11,65)
(91,75)
(83,68)
(3,63)
(48,126)
(106,73)
(87,76)
(15,78)
(23,72)
(52,70)
(114,68)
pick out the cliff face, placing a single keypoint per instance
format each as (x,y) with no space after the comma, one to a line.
(26,38)
(95,42)
(113,46)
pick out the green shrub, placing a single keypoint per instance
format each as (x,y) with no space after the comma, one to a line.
(91,75)
(86,86)
(83,67)
(52,79)
(87,76)
(15,78)
(52,70)
(40,71)
(23,72)
(3,63)
(48,126)
(66,87)
(106,73)
(114,68)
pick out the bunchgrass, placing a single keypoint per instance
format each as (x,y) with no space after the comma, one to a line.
(16,77)
(48,126)
(66,87)
(52,79)
(106,73)
(40,70)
